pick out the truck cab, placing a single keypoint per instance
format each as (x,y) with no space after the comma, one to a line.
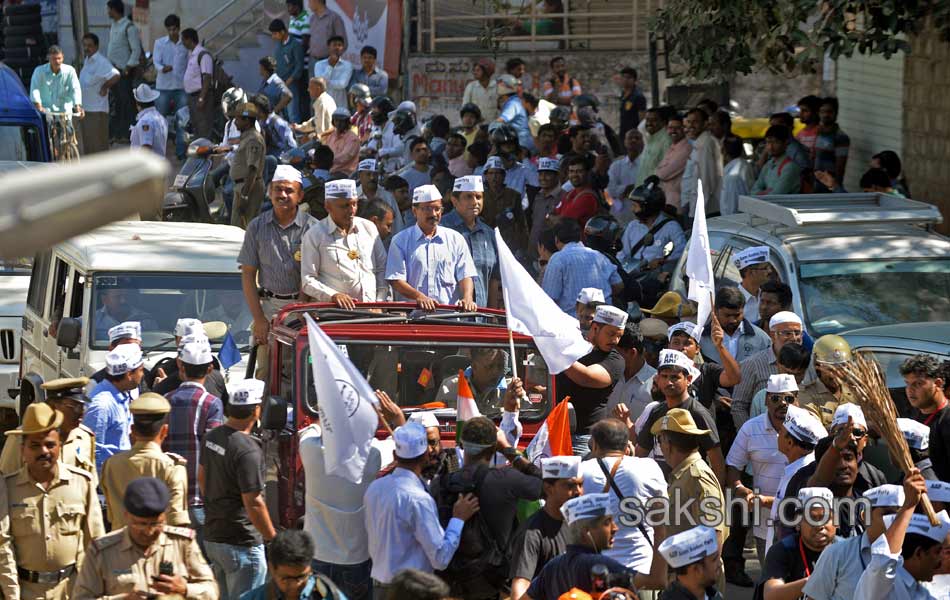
(412,355)
(23,134)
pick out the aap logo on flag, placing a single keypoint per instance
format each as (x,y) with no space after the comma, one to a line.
(351,398)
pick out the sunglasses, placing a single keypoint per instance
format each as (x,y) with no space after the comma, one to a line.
(786,399)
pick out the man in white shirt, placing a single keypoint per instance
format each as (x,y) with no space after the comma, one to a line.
(402,521)
(704,164)
(737,175)
(343,260)
(171,58)
(622,176)
(336,70)
(753,265)
(634,390)
(197,79)
(323,107)
(756,445)
(645,240)
(95,79)
(150,130)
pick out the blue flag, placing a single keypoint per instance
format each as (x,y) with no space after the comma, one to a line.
(229,355)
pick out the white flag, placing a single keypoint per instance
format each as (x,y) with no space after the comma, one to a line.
(346,406)
(699,262)
(532,312)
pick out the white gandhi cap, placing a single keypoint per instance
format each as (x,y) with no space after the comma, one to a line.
(468,183)
(920,525)
(339,188)
(846,410)
(426,418)
(426,193)
(248,393)
(184,327)
(410,440)
(286,173)
(939,491)
(125,331)
(591,294)
(691,329)
(784,316)
(588,506)
(690,546)
(803,426)
(610,315)
(751,256)
(675,358)
(123,359)
(887,495)
(560,467)
(781,383)
(367,164)
(195,353)
(916,433)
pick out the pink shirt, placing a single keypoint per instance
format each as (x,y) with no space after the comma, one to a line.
(192,79)
(670,171)
(346,151)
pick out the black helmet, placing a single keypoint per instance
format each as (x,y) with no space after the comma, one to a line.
(471,108)
(503,134)
(602,233)
(586,100)
(403,121)
(383,104)
(650,197)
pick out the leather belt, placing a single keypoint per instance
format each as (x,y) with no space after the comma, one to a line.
(269,294)
(45,577)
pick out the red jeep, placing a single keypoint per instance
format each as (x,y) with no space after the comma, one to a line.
(400,349)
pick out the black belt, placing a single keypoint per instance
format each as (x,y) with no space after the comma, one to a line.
(269,294)
(45,577)
(241,180)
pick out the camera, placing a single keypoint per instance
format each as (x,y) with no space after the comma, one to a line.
(601,579)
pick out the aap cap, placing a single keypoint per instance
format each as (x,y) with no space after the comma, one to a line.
(610,315)
(784,316)
(675,358)
(123,359)
(367,164)
(916,433)
(939,491)
(185,327)
(144,94)
(507,84)
(248,393)
(426,193)
(812,495)
(339,188)
(494,162)
(690,546)
(691,329)
(426,418)
(71,388)
(40,417)
(410,440)
(196,353)
(590,295)
(150,403)
(560,467)
(678,420)
(287,173)
(751,256)
(846,410)
(653,328)
(549,164)
(468,183)
(886,496)
(920,525)
(129,330)
(588,506)
(671,306)
(781,383)
(803,426)
(146,497)
(192,338)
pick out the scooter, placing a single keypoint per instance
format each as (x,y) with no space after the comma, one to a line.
(190,196)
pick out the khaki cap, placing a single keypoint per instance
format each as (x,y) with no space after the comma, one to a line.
(71,388)
(671,306)
(150,403)
(678,420)
(40,417)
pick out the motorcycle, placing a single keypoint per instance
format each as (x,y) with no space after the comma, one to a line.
(299,158)
(192,192)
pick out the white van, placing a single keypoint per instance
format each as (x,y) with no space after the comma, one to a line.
(151,272)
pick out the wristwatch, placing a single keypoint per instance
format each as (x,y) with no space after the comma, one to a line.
(510,453)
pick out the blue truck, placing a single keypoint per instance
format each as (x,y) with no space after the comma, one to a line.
(23,135)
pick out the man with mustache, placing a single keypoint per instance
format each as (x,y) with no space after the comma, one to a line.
(49,513)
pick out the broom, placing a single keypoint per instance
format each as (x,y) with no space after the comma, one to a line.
(865,379)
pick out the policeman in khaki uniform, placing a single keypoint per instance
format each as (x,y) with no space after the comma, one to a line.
(247,170)
(79,449)
(49,513)
(146,557)
(146,459)
(822,395)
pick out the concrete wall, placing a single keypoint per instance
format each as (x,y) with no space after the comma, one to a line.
(927,120)
(763,93)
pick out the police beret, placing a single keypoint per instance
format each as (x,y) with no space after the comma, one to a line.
(146,497)
(71,388)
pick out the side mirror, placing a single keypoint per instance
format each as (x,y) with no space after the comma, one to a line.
(274,413)
(68,333)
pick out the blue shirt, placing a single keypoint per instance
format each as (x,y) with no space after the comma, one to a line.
(839,569)
(573,268)
(514,114)
(377,81)
(433,266)
(481,243)
(57,92)
(108,416)
(278,135)
(289,57)
(274,88)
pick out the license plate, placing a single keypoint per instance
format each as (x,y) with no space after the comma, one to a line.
(180,180)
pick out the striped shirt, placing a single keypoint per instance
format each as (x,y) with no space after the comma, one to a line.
(194,413)
(275,251)
(757,445)
(755,372)
(573,268)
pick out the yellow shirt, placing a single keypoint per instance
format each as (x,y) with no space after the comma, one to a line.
(79,451)
(145,459)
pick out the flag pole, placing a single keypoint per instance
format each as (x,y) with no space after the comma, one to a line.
(386,425)
(511,336)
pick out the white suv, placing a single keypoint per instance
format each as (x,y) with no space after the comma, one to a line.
(14,282)
(144,271)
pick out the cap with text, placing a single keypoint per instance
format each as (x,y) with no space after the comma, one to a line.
(287,173)
(690,546)
(751,256)
(849,409)
(939,491)
(340,188)
(590,295)
(803,426)
(885,496)
(588,506)
(410,440)
(196,353)
(920,525)
(426,417)
(494,162)
(188,326)
(549,164)
(123,359)
(560,467)
(781,383)
(610,315)
(426,193)
(691,329)
(675,358)
(468,183)
(367,164)
(916,433)
(129,330)
(821,496)
(248,393)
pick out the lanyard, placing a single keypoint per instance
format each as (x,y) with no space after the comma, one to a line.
(934,414)
(801,549)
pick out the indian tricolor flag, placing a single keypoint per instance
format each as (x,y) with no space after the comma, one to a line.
(467,409)
(554,436)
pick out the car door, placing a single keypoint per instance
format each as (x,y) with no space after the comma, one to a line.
(70,359)
(56,309)
(36,321)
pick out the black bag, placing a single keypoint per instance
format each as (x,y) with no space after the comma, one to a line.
(479,557)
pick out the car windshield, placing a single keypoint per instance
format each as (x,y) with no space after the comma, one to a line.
(426,376)
(840,296)
(158,300)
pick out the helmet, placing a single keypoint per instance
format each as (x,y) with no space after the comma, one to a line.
(650,197)
(586,100)
(231,98)
(503,134)
(361,93)
(831,350)
(471,108)
(603,234)
(380,108)
(403,121)
(560,113)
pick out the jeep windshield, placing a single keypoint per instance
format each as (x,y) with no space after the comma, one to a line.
(846,295)
(158,300)
(420,375)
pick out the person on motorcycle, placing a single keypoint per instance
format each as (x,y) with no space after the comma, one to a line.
(344,143)
(505,145)
(230,100)
(392,147)
(646,239)
(278,139)
(360,103)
